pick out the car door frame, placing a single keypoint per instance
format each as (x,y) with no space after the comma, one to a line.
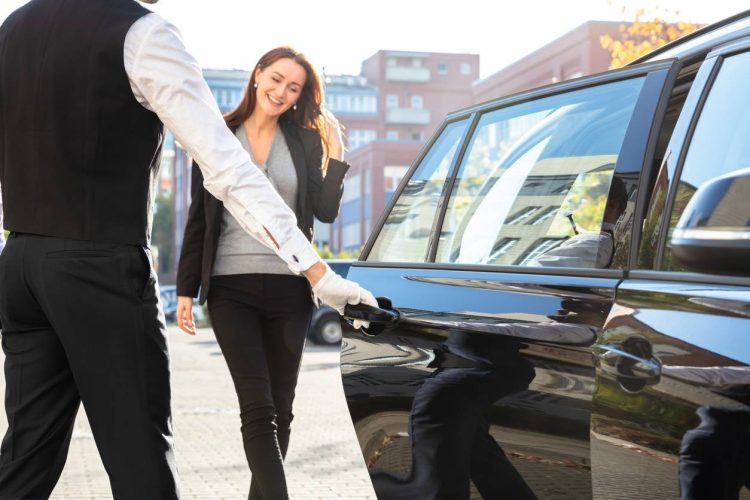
(642,132)
(648,274)
(635,158)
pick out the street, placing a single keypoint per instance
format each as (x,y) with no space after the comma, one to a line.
(323,462)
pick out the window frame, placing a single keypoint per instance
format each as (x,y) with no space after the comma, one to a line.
(644,124)
(680,143)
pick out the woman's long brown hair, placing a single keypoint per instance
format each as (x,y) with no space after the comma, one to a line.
(308,113)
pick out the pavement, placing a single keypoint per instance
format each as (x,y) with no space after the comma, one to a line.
(323,461)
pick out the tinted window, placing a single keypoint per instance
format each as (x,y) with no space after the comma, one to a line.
(720,142)
(533,188)
(406,232)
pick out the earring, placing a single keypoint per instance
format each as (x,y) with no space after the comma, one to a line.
(294,107)
(255,85)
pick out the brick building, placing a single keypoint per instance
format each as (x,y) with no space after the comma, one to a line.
(389,111)
(576,53)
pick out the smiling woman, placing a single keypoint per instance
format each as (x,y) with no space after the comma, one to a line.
(260,311)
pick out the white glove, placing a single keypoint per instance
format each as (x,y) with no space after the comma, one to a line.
(337,292)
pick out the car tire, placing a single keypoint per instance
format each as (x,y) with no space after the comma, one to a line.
(327,330)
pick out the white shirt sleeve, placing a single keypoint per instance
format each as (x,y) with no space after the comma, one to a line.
(167,80)
(589,250)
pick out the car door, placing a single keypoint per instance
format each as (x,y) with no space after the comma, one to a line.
(671,404)
(501,252)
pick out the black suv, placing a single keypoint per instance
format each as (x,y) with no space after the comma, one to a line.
(568,271)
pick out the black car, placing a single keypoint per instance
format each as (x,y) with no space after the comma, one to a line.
(567,272)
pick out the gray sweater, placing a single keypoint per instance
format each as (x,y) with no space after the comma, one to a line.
(240,253)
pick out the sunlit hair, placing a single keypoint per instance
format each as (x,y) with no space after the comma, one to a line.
(308,113)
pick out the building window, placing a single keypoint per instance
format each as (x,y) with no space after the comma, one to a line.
(352,189)
(417,63)
(465,68)
(502,247)
(521,215)
(391,61)
(343,103)
(359,137)
(417,136)
(546,215)
(350,236)
(442,69)
(391,101)
(417,102)
(391,135)
(392,177)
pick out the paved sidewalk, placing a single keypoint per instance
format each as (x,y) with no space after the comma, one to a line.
(324,461)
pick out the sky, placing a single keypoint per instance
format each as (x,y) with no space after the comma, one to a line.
(337,35)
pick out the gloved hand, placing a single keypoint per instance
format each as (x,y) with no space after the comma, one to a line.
(337,292)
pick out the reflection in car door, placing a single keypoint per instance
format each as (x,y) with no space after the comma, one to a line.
(671,407)
(488,375)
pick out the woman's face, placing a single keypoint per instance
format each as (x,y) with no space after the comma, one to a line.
(279,86)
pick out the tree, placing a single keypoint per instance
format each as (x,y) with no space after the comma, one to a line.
(647,32)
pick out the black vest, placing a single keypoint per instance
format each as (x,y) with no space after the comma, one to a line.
(78,153)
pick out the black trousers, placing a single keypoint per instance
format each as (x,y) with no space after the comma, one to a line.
(451,442)
(261,322)
(715,456)
(82,323)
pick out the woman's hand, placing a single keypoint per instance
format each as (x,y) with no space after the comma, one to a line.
(185,315)
(334,135)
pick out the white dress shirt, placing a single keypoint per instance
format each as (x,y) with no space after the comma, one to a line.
(589,250)
(166,79)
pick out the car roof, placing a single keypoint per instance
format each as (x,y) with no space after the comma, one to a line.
(701,41)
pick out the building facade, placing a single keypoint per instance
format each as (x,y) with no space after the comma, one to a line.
(388,112)
(576,53)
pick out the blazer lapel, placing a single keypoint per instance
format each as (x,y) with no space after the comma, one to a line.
(297,150)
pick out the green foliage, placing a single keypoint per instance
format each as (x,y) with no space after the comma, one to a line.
(647,32)
(325,253)
(586,200)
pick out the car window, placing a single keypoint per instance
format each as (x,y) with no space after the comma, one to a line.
(534,186)
(720,142)
(406,232)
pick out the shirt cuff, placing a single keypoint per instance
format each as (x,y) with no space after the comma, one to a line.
(299,253)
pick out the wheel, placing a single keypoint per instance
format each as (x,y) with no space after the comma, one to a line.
(327,330)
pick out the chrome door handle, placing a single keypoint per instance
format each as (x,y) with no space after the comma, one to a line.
(379,317)
(632,371)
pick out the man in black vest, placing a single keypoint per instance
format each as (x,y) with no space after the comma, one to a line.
(86,87)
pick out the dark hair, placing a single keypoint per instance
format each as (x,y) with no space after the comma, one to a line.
(308,113)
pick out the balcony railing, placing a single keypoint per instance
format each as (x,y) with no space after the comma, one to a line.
(407,116)
(407,74)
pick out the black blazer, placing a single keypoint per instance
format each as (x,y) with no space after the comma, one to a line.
(317,196)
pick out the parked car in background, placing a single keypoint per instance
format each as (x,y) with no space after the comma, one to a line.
(325,327)
(168,295)
(570,272)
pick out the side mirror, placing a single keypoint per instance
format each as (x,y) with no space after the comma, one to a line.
(713,234)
